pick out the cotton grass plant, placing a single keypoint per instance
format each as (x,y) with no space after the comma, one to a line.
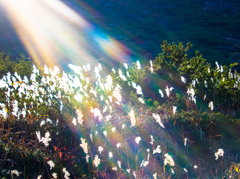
(83,125)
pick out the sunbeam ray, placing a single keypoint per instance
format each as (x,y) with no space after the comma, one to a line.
(53,33)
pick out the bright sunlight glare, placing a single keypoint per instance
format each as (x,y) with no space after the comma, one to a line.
(53,33)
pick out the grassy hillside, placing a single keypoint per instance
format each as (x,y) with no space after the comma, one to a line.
(139,121)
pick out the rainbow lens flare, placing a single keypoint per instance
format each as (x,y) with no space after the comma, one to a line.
(53,34)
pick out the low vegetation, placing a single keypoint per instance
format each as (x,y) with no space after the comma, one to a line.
(178,117)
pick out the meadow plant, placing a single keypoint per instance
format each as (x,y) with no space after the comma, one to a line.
(85,125)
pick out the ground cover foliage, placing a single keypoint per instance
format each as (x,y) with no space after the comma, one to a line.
(178,117)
